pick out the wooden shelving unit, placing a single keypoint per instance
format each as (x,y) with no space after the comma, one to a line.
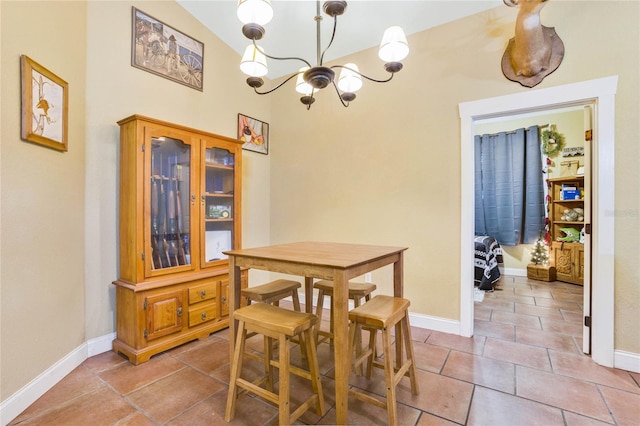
(566,257)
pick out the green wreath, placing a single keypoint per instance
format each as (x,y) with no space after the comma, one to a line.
(558,141)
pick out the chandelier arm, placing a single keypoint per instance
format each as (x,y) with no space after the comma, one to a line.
(339,96)
(277,87)
(333,34)
(362,75)
(280,59)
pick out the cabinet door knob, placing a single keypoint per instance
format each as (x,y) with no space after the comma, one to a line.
(179,311)
(203,316)
(203,294)
(224,299)
(193,199)
(202,200)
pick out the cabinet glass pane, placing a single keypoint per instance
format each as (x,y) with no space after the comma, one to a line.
(170,189)
(219,203)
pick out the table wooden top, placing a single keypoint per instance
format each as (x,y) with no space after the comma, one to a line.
(335,255)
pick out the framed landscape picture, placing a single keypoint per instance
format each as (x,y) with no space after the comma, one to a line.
(254,133)
(45,105)
(162,50)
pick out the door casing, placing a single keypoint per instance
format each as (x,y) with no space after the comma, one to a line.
(600,94)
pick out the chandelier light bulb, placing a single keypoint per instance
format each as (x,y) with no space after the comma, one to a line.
(349,80)
(253,62)
(302,86)
(394,46)
(255,11)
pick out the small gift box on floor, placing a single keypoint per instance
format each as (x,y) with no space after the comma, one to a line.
(541,272)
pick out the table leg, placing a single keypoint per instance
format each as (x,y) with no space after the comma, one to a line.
(308,295)
(235,284)
(398,291)
(342,357)
(398,272)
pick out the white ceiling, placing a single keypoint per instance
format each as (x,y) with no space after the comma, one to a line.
(292,32)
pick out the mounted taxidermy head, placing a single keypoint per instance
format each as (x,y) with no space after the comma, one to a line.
(535,51)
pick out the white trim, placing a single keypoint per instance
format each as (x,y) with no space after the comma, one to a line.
(515,272)
(443,325)
(11,407)
(627,361)
(600,93)
(100,344)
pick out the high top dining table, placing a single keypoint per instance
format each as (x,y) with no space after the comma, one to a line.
(338,262)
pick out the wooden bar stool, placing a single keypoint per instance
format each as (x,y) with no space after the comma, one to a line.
(274,291)
(282,324)
(383,313)
(357,292)
(271,293)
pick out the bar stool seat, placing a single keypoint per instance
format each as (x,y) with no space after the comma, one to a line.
(357,292)
(383,313)
(274,291)
(282,324)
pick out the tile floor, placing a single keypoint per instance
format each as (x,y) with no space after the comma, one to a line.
(524,366)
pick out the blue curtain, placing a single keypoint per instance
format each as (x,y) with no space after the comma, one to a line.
(509,191)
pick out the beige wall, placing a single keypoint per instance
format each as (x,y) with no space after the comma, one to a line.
(387,169)
(570,124)
(42,228)
(59,211)
(116,90)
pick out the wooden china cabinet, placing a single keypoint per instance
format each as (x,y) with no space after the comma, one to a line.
(179,209)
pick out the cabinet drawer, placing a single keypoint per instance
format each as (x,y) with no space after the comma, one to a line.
(202,314)
(202,292)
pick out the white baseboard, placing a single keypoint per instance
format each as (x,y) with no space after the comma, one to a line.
(417,320)
(443,325)
(100,344)
(514,272)
(626,361)
(11,407)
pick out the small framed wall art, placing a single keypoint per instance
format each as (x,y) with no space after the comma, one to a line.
(162,50)
(45,106)
(254,133)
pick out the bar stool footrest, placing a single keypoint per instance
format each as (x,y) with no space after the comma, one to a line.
(364,397)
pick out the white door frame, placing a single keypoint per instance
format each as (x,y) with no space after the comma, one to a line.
(599,93)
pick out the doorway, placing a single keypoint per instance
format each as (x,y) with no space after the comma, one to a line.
(570,122)
(600,94)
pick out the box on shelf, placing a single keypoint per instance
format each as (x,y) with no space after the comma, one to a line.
(570,192)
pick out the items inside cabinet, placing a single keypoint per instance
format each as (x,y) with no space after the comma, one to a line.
(170,189)
(219,195)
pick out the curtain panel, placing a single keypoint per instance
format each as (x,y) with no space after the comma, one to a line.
(509,186)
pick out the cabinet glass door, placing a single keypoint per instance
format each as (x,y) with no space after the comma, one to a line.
(218,203)
(170,189)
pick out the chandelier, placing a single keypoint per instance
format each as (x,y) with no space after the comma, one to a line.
(254,14)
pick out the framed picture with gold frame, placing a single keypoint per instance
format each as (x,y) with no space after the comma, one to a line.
(45,106)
